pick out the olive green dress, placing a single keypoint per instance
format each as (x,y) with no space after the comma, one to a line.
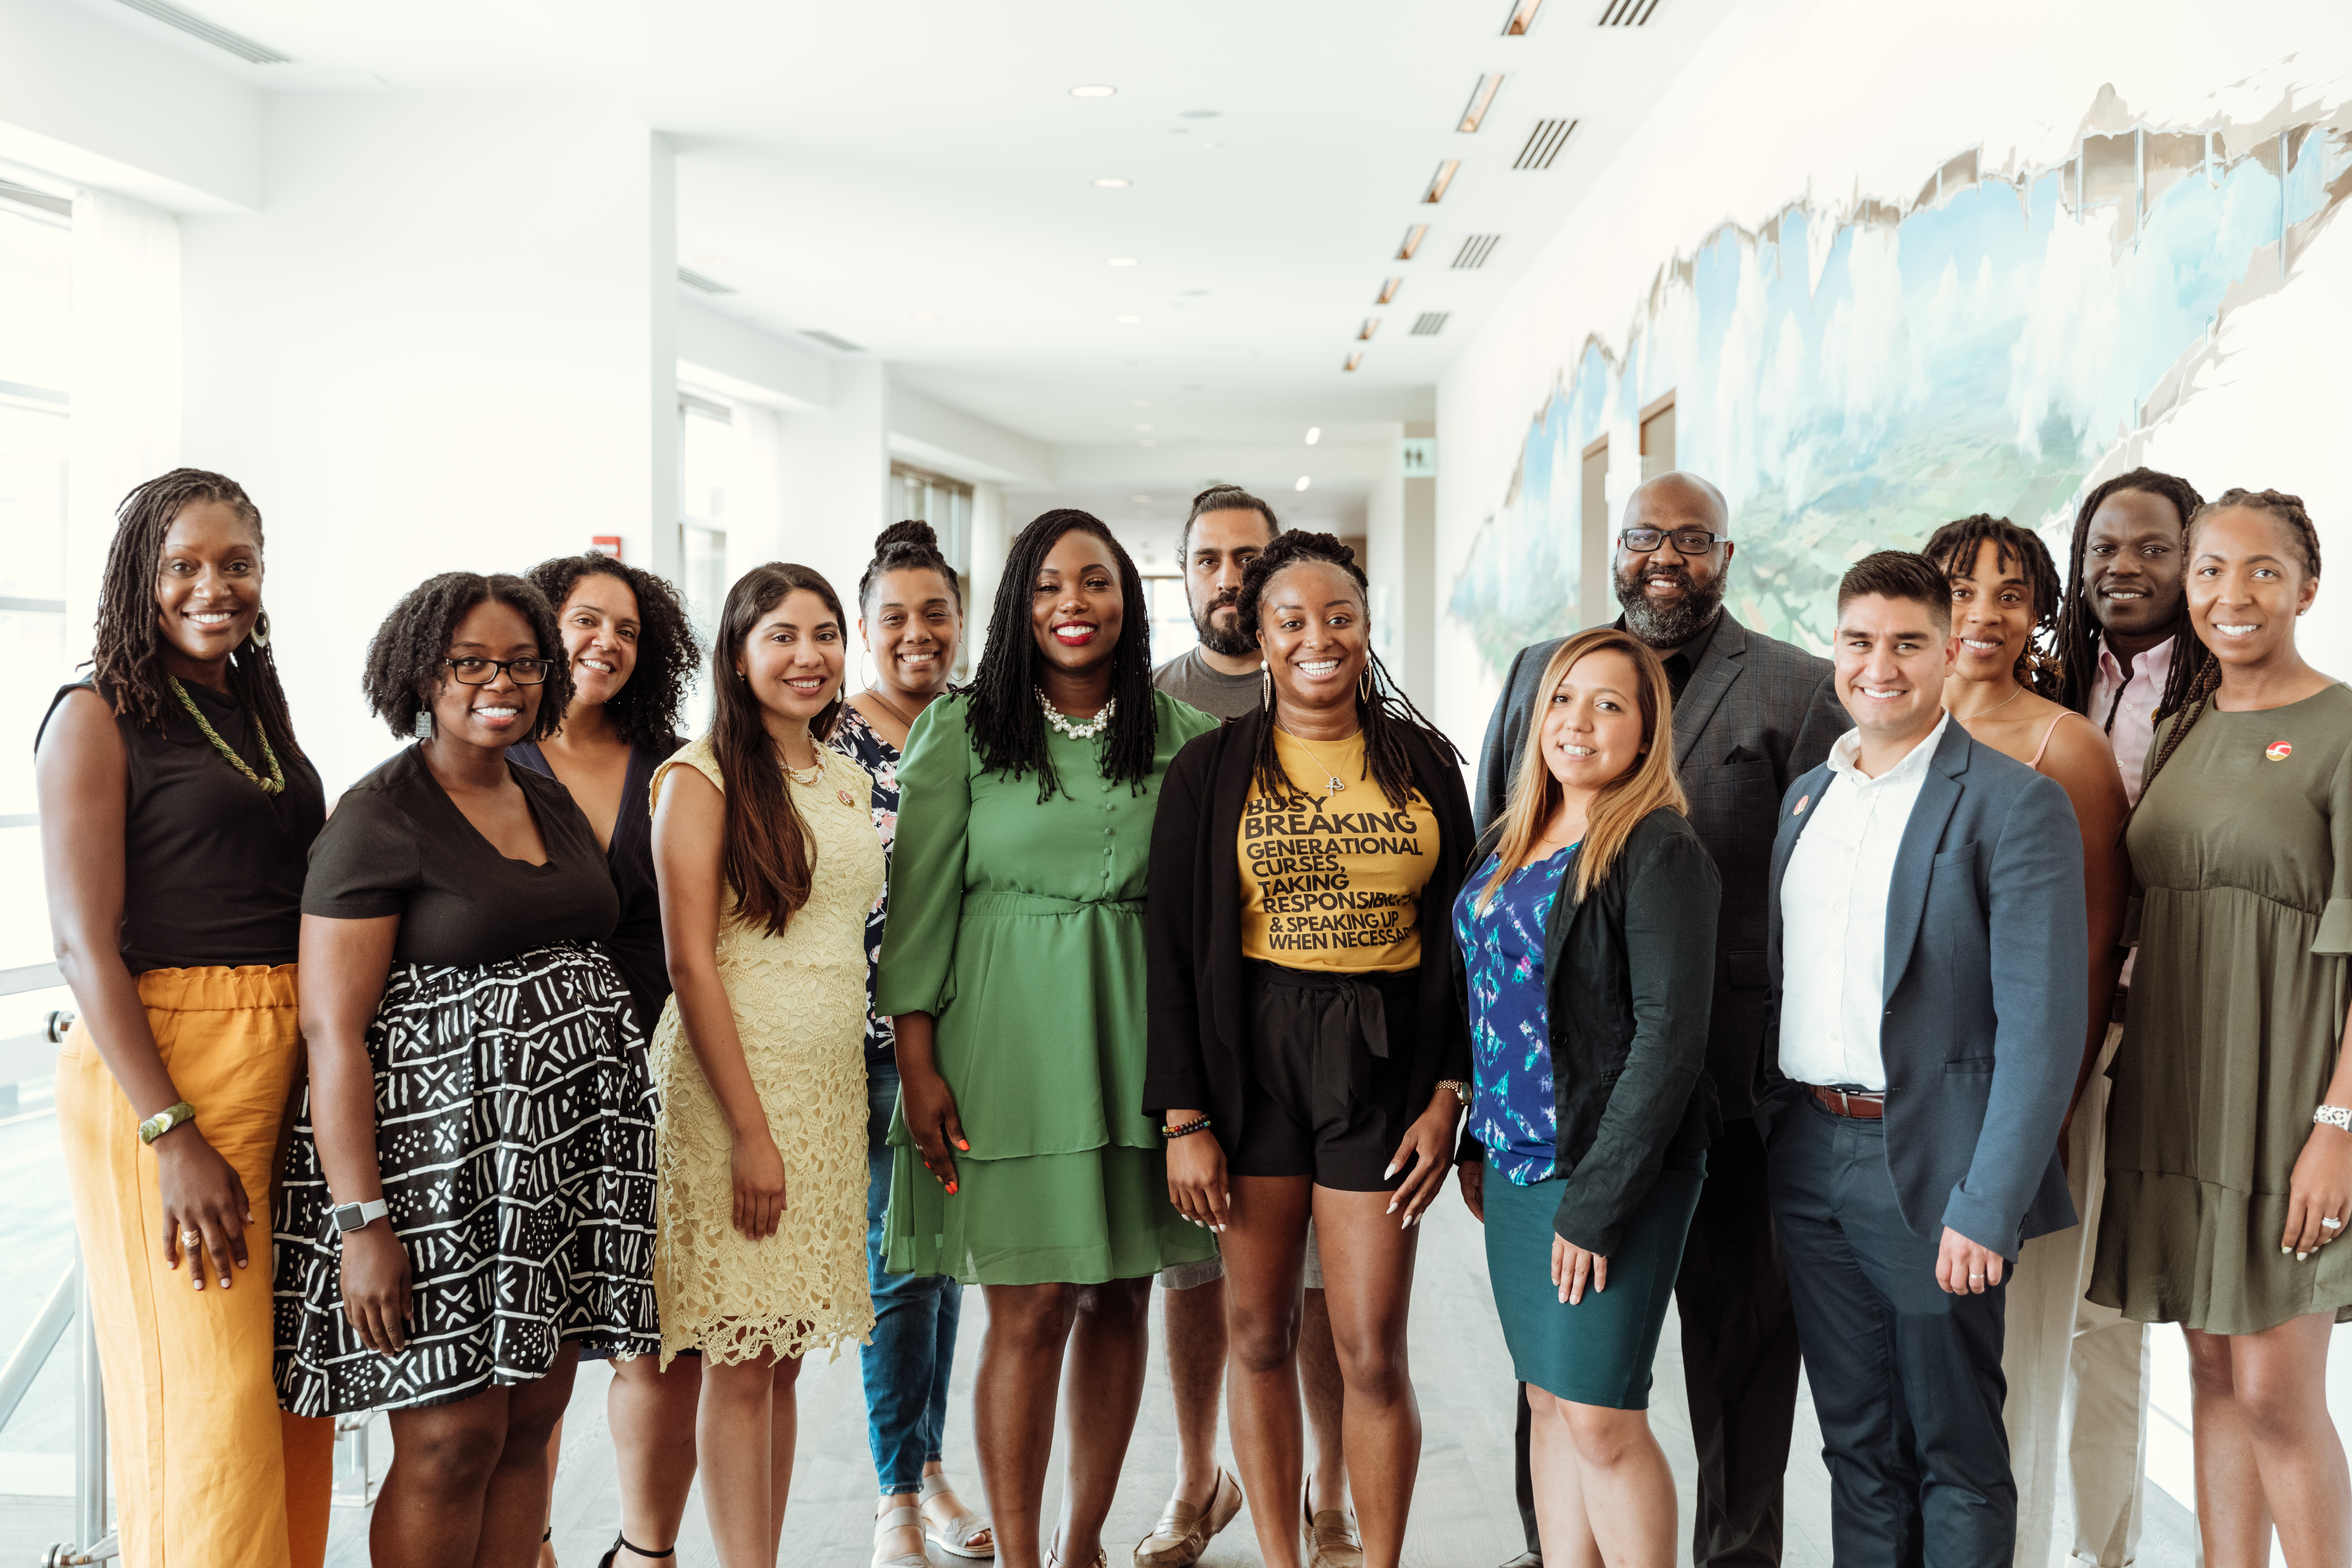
(2241,855)
(1018,924)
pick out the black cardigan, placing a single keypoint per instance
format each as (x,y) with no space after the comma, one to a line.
(1628,986)
(1198,1044)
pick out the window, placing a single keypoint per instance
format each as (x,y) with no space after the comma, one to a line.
(705,474)
(1593,510)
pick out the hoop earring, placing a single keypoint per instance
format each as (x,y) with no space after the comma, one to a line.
(260,634)
(1364,685)
(1264,688)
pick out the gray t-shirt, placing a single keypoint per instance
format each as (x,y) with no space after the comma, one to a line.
(1188,678)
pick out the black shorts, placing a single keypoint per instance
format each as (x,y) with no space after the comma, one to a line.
(1322,1102)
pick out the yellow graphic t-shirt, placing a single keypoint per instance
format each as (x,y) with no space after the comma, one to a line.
(1333,880)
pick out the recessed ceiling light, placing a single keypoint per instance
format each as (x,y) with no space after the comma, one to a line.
(1522,18)
(1439,181)
(1364,333)
(926,317)
(1482,99)
(1412,239)
(1146,441)
(1195,293)
(1095,92)
(1354,360)
(1122,260)
(1199,114)
(1314,434)
(1303,482)
(1126,320)
(1143,427)
(1112,183)
(1142,403)
(1389,287)
(1140,500)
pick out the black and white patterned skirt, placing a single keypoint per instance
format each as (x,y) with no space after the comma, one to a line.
(515,1135)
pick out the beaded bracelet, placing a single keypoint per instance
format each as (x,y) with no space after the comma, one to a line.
(1198,1124)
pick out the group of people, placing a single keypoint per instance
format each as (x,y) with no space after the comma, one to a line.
(1933,1017)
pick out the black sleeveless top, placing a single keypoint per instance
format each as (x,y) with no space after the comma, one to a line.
(212,868)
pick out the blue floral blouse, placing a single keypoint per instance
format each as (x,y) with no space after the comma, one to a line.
(857,739)
(1512,1112)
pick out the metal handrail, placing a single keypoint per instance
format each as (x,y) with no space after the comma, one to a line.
(32,1352)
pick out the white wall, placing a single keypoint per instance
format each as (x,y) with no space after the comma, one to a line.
(435,348)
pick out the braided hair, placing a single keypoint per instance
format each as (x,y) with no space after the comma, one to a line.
(646,707)
(1382,709)
(908,546)
(403,658)
(1954,549)
(2078,630)
(1006,725)
(2207,678)
(127,648)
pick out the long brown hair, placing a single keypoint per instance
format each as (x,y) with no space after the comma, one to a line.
(767,857)
(1649,785)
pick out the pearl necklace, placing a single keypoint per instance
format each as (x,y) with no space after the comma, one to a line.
(1075,729)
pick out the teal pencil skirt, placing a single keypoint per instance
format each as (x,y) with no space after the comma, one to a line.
(1598,1352)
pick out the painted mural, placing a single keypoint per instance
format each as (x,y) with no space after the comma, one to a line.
(1851,378)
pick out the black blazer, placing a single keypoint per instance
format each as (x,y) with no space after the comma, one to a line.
(1198,1051)
(1626,1000)
(1755,715)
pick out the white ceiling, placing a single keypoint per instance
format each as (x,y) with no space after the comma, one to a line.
(915,177)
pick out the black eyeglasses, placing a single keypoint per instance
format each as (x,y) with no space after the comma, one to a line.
(482,672)
(1687,540)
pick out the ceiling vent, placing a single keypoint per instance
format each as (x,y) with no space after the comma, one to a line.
(212,33)
(1475,249)
(1412,239)
(709,285)
(1628,13)
(1544,144)
(1429,324)
(829,341)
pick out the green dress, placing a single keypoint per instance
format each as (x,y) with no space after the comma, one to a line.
(1018,924)
(2244,864)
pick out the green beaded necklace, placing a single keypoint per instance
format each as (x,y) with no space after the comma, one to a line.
(274,784)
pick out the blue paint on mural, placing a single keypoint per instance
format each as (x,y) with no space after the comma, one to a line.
(1851,382)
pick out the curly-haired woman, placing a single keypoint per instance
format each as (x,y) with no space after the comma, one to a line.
(631,651)
(468,1196)
(176,808)
(1302,866)
(1012,971)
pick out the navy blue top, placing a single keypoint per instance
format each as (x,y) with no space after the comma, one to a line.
(636,944)
(1513,1111)
(854,738)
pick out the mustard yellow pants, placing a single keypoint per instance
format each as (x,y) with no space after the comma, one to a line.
(208,1472)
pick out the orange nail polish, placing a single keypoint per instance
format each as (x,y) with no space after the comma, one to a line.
(962,1145)
(951,1189)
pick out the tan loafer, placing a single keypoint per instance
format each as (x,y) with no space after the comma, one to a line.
(1184,1531)
(1331,1538)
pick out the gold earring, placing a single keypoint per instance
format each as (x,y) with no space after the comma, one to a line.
(1265,686)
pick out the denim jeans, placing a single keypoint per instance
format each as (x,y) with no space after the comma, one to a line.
(907,1364)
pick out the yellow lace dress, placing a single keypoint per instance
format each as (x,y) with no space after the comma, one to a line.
(799,1006)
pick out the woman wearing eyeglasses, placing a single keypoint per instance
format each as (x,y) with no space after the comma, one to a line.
(468,1195)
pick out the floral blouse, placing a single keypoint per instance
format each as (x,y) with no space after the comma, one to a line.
(1512,1110)
(857,739)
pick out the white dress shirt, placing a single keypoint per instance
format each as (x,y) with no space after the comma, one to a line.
(2127,709)
(1833,916)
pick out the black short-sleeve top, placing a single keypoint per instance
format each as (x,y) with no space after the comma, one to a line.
(212,868)
(397,845)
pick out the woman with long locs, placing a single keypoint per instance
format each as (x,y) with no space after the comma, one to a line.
(1306,1051)
(176,810)
(1012,971)
(765,851)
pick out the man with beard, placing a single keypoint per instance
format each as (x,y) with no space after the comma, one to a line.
(1228,528)
(1750,713)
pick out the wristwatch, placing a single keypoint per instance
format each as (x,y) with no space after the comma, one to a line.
(163,1120)
(1461,1090)
(357,1216)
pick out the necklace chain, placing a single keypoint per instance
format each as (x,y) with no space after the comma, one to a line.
(1338,784)
(897,712)
(275,783)
(1998,706)
(1078,729)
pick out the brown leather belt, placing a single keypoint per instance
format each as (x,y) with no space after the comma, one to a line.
(1859,1106)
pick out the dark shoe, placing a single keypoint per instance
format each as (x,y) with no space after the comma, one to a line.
(1525,1559)
(622,1543)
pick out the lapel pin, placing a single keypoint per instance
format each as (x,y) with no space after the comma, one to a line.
(2278,751)
(842,795)
(1799,809)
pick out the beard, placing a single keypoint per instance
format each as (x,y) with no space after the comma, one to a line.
(1227,639)
(1668,626)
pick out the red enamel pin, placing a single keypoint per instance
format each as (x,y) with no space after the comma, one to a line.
(1799,809)
(2278,751)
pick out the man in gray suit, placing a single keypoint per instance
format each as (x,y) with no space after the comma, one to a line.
(1928,954)
(1750,713)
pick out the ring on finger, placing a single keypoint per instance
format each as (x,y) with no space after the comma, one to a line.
(190,1238)
(2332,1224)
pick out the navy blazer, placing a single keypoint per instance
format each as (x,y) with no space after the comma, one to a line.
(1986,1003)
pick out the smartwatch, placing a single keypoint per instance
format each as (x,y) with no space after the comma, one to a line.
(357,1216)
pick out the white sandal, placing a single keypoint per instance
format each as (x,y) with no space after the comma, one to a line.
(898,1519)
(955,1536)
